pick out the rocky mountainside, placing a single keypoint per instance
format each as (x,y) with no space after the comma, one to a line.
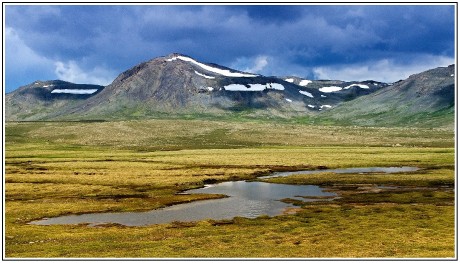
(178,84)
(424,99)
(45,99)
(334,92)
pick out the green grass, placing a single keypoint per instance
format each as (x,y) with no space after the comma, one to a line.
(198,134)
(390,118)
(424,178)
(323,231)
(64,168)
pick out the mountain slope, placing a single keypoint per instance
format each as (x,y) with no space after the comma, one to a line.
(44,99)
(180,85)
(424,99)
(334,92)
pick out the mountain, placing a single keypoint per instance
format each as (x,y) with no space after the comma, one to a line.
(425,99)
(178,84)
(45,99)
(182,85)
(334,92)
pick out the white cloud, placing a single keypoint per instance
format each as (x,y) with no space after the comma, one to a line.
(22,64)
(268,66)
(384,70)
(232,36)
(251,64)
(21,57)
(260,63)
(27,65)
(71,72)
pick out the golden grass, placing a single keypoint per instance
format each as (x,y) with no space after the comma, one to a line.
(426,178)
(324,231)
(57,168)
(196,134)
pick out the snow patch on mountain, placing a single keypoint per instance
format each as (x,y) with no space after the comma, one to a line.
(207,88)
(288,100)
(358,85)
(330,89)
(276,86)
(240,87)
(74,91)
(306,93)
(203,75)
(224,72)
(254,87)
(305,82)
(289,80)
(311,106)
(336,88)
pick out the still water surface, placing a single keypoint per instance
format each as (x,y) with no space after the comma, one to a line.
(245,199)
(349,171)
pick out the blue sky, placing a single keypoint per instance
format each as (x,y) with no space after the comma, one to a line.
(93,44)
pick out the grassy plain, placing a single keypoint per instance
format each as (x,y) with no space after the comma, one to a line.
(58,168)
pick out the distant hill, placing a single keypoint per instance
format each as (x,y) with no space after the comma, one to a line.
(46,99)
(178,84)
(425,99)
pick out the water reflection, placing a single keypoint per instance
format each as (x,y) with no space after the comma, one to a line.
(245,199)
(349,171)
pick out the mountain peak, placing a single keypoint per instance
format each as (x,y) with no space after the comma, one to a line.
(179,84)
(176,54)
(213,68)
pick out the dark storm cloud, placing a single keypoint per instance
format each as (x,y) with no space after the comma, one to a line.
(95,43)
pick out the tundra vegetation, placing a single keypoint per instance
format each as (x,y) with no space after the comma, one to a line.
(60,168)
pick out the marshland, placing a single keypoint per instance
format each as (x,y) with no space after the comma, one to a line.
(72,168)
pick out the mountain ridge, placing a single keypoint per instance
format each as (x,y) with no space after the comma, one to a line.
(421,98)
(179,84)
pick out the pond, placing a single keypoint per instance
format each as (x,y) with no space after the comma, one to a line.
(359,170)
(245,199)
